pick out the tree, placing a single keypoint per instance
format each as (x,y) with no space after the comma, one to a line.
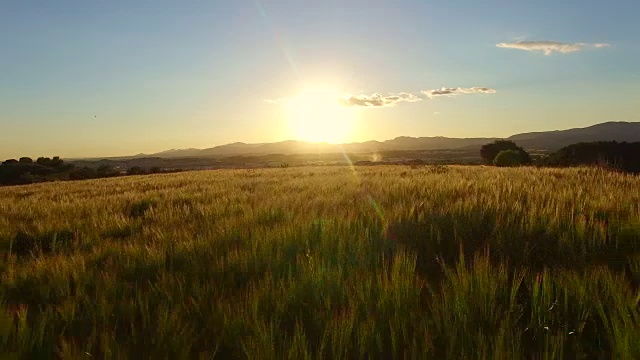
(56,162)
(508,158)
(82,173)
(611,154)
(44,161)
(489,152)
(10,162)
(106,171)
(136,170)
(26,160)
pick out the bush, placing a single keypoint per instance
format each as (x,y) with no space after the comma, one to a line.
(508,158)
(489,152)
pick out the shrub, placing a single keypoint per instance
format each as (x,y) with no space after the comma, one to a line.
(489,152)
(508,158)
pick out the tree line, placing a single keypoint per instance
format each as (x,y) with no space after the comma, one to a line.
(621,156)
(28,171)
(613,155)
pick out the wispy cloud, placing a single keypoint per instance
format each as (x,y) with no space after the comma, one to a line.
(456,91)
(378,100)
(392,99)
(550,47)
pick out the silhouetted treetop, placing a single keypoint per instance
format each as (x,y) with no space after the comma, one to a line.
(623,156)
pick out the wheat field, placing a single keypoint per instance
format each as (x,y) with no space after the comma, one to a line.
(380,262)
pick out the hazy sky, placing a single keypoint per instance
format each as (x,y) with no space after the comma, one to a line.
(97,78)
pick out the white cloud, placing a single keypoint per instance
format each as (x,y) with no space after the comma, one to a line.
(456,91)
(392,99)
(550,47)
(378,100)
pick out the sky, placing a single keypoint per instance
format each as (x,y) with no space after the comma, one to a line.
(106,78)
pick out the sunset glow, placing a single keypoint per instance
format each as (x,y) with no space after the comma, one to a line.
(317,114)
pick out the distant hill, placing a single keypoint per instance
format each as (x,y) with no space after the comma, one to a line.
(554,140)
(547,140)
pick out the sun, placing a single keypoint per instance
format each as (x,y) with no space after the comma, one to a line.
(317,114)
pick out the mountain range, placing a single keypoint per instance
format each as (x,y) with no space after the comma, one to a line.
(546,140)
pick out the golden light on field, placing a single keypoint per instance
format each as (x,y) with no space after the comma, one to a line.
(317,114)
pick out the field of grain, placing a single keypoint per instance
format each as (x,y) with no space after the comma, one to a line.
(324,263)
